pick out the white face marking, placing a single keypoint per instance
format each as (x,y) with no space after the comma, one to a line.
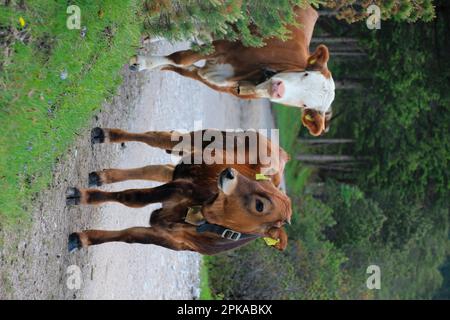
(217,74)
(309,89)
(228,183)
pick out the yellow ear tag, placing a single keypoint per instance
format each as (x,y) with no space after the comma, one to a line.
(271,241)
(260,176)
(312,61)
(309,118)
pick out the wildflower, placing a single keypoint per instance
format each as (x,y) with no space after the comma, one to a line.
(22,22)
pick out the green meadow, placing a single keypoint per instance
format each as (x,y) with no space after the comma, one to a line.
(52,81)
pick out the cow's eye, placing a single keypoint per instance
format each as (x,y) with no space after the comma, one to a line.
(306,74)
(259,205)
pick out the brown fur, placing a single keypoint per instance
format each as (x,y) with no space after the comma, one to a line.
(187,185)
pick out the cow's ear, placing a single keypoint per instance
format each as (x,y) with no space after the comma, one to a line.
(280,235)
(314,121)
(318,60)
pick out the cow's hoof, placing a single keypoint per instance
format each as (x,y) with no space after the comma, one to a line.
(74,242)
(134,60)
(134,67)
(137,63)
(134,64)
(94,180)
(97,135)
(73,196)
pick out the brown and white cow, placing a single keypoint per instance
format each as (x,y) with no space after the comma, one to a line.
(283,71)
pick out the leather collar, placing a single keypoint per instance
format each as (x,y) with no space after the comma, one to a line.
(195,217)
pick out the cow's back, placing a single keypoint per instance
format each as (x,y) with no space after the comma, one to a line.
(249,158)
(278,55)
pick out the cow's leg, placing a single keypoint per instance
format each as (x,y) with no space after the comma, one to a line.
(159,139)
(144,235)
(161,173)
(180,59)
(140,62)
(186,58)
(193,74)
(171,141)
(135,198)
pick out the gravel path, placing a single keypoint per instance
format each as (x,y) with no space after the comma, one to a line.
(34,263)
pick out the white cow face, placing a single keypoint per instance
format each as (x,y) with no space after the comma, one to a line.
(308,89)
(312,90)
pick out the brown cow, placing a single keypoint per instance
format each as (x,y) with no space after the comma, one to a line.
(283,71)
(207,208)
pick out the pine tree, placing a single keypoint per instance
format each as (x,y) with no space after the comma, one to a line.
(251,21)
(202,21)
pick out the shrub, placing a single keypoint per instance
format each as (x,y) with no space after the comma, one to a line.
(204,20)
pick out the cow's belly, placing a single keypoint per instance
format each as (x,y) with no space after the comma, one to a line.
(217,73)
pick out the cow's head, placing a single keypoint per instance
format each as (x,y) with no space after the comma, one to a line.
(311,89)
(250,206)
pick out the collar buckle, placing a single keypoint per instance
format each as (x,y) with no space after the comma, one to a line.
(231,235)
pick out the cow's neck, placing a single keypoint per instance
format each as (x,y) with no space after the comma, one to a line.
(195,217)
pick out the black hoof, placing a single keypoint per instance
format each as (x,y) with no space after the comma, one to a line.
(74,242)
(134,67)
(73,197)
(94,180)
(97,135)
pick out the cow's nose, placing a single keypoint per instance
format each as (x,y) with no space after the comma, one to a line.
(278,89)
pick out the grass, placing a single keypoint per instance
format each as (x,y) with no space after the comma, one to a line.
(40,112)
(205,290)
(289,123)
